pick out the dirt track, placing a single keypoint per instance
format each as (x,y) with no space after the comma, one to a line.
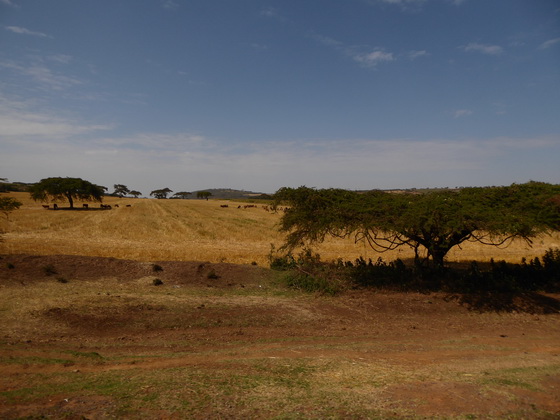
(399,355)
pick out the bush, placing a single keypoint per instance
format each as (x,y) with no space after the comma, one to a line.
(307,273)
(49,270)
(212,275)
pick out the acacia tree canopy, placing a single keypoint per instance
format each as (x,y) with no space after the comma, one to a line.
(161,193)
(66,189)
(183,195)
(435,221)
(121,190)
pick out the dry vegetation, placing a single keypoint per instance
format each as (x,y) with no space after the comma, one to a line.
(187,230)
(95,338)
(108,343)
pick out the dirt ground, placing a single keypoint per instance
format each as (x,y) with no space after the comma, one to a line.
(72,325)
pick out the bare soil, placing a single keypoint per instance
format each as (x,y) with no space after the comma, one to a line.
(363,354)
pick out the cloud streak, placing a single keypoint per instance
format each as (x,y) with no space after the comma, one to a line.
(548,44)
(366,57)
(24,31)
(483,48)
(41,74)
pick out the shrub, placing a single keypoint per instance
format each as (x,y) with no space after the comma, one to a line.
(212,275)
(156,268)
(49,270)
(157,282)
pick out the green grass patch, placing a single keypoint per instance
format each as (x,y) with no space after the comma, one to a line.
(524,377)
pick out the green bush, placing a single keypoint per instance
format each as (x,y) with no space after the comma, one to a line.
(307,273)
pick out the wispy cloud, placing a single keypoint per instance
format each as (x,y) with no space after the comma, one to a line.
(24,31)
(270,12)
(483,48)
(37,69)
(365,56)
(373,58)
(400,2)
(60,58)
(20,121)
(259,47)
(411,5)
(170,5)
(549,43)
(462,113)
(42,75)
(413,55)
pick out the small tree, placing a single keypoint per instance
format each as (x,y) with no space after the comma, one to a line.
(436,221)
(66,189)
(135,193)
(161,194)
(8,205)
(203,194)
(183,195)
(121,190)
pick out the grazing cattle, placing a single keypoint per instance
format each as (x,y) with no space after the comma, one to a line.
(129,205)
(85,206)
(116,205)
(224,205)
(45,206)
(106,206)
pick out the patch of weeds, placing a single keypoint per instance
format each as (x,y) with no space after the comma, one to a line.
(49,270)
(36,360)
(156,268)
(525,377)
(91,354)
(307,273)
(157,282)
(212,275)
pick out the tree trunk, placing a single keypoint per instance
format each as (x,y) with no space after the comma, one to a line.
(438,256)
(70,200)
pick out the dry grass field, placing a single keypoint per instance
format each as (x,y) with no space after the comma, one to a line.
(94,338)
(192,230)
(156,311)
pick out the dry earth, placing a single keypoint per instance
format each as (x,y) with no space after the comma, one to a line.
(88,337)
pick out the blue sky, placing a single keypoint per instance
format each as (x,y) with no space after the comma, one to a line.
(260,94)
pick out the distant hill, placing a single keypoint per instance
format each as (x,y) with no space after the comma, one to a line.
(231,194)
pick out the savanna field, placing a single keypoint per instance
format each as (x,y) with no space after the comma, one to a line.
(167,310)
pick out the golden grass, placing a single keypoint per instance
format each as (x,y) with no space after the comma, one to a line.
(199,230)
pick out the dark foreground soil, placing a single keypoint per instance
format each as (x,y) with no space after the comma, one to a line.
(379,353)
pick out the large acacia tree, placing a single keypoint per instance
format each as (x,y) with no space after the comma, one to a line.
(435,221)
(161,193)
(66,189)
